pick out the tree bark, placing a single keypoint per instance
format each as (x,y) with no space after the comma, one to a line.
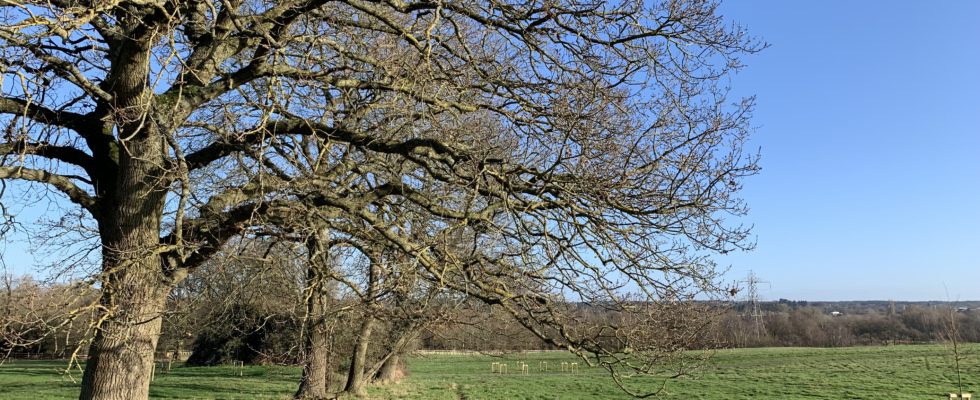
(387,369)
(390,371)
(313,384)
(121,355)
(316,371)
(134,285)
(355,377)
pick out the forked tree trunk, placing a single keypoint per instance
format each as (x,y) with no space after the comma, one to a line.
(390,371)
(355,377)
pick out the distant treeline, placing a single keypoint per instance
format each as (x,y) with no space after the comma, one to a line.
(262,325)
(771,324)
(838,324)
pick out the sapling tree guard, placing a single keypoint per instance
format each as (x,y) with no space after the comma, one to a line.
(587,149)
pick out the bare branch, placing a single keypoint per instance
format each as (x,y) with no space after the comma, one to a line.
(59,182)
(41,114)
(66,154)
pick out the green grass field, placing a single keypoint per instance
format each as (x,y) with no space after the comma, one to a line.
(897,372)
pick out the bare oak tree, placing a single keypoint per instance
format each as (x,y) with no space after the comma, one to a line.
(588,146)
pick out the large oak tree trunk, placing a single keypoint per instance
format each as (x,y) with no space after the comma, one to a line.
(355,377)
(134,286)
(121,355)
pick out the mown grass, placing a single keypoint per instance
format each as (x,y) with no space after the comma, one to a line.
(43,380)
(896,372)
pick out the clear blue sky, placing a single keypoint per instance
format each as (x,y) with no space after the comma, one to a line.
(869,124)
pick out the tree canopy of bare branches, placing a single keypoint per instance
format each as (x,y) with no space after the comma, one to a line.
(585,151)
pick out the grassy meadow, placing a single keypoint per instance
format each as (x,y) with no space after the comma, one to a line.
(895,372)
